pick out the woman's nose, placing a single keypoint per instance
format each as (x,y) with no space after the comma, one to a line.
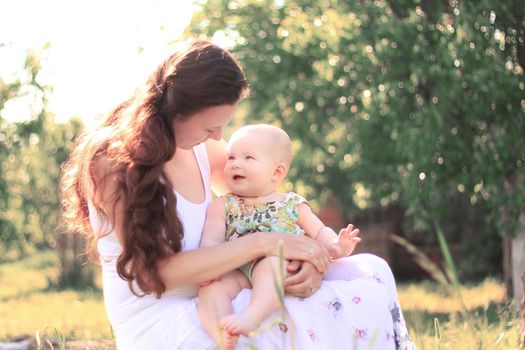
(217,134)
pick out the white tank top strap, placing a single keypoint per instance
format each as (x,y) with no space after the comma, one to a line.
(192,215)
(204,165)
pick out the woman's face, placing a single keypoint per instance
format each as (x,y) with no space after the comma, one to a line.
(202,125)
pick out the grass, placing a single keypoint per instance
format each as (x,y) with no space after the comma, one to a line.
(436,316)
(27,304)
(477,318)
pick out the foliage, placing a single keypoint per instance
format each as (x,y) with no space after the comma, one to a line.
(411,103)
(31,150)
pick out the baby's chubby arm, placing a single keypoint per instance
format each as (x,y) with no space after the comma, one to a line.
(314,227)
(310,223)
(338,246)
(215,225)
(214,228)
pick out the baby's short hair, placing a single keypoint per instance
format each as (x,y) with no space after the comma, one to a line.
(272,135)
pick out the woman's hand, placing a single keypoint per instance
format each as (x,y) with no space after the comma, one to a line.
(295,247)
(304,279)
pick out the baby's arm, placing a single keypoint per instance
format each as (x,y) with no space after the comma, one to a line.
(338,246)
(214,228)
(215,224)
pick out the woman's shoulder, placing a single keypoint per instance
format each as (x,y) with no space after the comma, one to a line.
(103,163)
(104,160)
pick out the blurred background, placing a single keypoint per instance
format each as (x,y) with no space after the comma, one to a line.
(408,120)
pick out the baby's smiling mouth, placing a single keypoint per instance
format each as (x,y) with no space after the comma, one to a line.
(238,177)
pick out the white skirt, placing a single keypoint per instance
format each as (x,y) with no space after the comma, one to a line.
(356,308)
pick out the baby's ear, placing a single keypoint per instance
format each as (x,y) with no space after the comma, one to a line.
(280,171)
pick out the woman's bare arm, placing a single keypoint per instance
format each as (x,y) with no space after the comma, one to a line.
(200,265)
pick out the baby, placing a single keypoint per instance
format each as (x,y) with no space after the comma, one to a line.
(259,157)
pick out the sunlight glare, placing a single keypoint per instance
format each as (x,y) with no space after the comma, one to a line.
(100,51)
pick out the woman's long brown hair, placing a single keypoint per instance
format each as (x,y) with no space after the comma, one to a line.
(133,144)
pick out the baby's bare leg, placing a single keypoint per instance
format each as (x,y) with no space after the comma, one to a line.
(264,299)
(215,303)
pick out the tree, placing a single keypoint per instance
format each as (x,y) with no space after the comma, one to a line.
(18,140)
(32,148)
(410,103)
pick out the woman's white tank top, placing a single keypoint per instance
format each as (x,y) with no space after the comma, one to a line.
(121,304)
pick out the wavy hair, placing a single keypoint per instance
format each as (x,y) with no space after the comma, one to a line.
(128,152)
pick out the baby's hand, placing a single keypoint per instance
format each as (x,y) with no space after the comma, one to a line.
(345,243)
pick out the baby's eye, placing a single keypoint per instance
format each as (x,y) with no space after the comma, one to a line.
(231,157)
(250,157)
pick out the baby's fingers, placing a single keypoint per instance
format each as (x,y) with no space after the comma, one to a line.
(350,234)
(348,228)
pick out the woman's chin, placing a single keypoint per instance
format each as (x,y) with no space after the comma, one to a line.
(186,147)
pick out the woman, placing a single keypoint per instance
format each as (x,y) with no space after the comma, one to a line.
(139,186)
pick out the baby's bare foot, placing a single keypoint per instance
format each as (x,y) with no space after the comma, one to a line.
(224,339)
(241,324)
(229,340)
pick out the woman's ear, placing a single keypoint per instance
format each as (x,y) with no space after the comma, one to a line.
(280,172)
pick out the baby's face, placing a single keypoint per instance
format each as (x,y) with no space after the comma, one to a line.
(250,167)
